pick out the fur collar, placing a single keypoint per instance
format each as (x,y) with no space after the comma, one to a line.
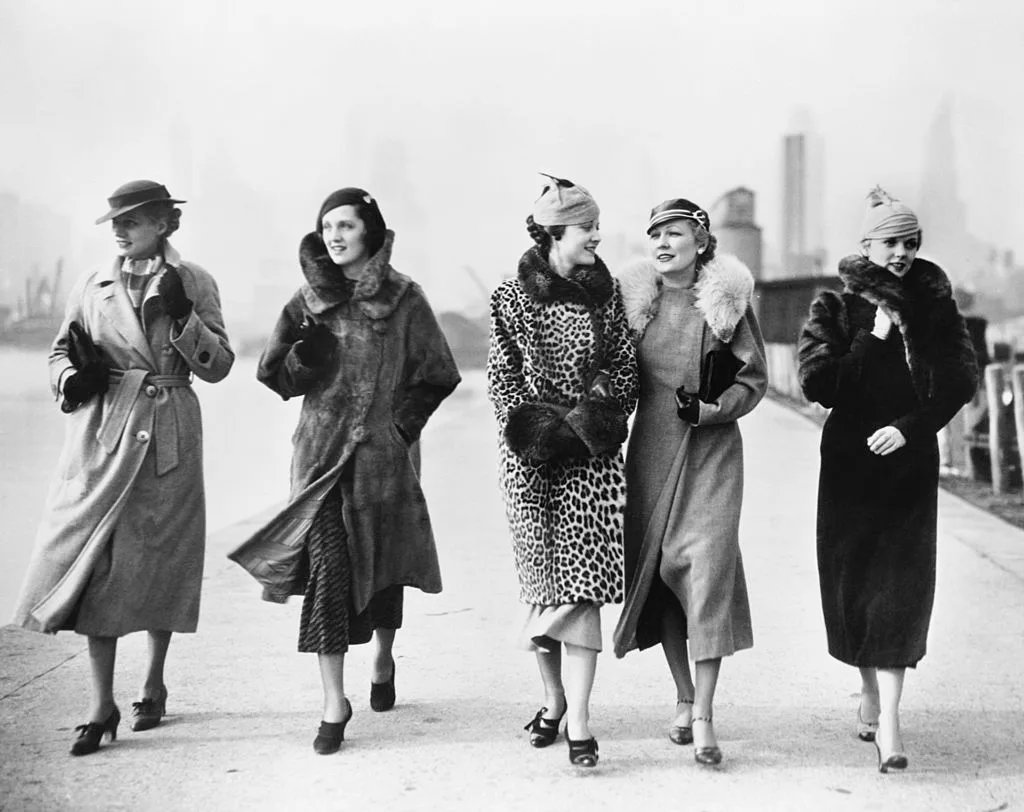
(377,291)
(724,289)
(909,299)
(588,285)
(921,306)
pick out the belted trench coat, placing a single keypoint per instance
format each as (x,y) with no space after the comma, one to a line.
(121,543)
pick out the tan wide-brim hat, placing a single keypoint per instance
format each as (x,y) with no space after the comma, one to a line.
(133,194)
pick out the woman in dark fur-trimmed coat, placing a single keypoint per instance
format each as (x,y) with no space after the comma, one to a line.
(890,390)
(360,344)
(562,377)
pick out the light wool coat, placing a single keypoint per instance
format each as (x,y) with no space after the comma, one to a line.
(684,483)
(121,544)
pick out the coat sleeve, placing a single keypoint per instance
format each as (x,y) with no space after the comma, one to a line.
(506,384)
(280,368)
(954,377)
(601,422)
(203,341)
(59,363)
(831,365)
(751,379)
(430,373)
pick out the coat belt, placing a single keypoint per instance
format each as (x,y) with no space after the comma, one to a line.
(126,385)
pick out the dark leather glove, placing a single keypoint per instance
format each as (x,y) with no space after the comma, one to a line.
(81,385)
(172,294)
(687,406)
(315,344)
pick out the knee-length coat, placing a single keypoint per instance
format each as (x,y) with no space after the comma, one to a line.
(391,369)
(121,544)
(685,482)
(551,339)
(876,519)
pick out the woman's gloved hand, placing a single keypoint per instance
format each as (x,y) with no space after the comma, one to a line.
(315,344)
(172,294)
(81,385)
(687,406)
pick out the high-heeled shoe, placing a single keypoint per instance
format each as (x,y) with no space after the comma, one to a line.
(331,734)
(708,756)
(582,752)
(148,712)
(894,761)
(680,734)
(382,694)
(865,730)
(90,734)
(543,731)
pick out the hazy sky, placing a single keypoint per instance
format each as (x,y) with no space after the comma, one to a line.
(255,110)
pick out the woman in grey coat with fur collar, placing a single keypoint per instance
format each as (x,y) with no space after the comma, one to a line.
(684,464)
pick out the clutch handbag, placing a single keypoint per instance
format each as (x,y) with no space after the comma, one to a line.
(717,373)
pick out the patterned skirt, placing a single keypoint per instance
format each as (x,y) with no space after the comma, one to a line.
(328,624)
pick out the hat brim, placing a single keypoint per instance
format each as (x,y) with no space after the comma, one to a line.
(110,215)
(672,214)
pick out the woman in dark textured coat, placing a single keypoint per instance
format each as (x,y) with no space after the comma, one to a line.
(120,548)
(892,358)
(561,374)
(360,344)
(684,466)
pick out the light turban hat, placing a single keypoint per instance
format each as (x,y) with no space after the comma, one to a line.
(887,217)
(564,203)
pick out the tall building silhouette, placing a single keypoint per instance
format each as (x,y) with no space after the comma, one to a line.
(941,210)
(803,238)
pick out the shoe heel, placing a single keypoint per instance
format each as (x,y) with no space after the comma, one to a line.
(331,734)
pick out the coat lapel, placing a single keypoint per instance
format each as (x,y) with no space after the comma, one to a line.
(116,308)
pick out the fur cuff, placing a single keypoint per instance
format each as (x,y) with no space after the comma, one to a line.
(530,427)
(600,424)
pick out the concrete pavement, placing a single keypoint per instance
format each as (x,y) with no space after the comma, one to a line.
(244,706)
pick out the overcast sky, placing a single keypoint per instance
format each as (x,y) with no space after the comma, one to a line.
(255,110)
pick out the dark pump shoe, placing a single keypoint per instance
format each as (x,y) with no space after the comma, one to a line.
(543,731)
(680,734)
(895,761)
(382,694)
(331,734)
(710,756)
(147,713)
(90,734)
(582,752)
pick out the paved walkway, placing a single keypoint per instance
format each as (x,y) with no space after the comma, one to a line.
(244,705)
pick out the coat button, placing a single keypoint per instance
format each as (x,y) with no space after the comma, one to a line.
(151,391)
(142,436)
(359,434)
(204,357)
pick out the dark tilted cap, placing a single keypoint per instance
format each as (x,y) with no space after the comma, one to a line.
(133,194)
(676,208)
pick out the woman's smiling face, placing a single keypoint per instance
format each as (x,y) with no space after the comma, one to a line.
(673,245)
(895,254)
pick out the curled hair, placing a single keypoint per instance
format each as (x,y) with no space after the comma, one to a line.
(543,235)
(701,234)
(160,211)
(366,210)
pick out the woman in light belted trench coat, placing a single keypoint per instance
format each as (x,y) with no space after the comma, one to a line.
(120,547)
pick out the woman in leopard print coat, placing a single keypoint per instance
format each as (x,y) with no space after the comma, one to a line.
(562,377)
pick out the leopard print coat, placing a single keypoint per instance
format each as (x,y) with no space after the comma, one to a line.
(561,373)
